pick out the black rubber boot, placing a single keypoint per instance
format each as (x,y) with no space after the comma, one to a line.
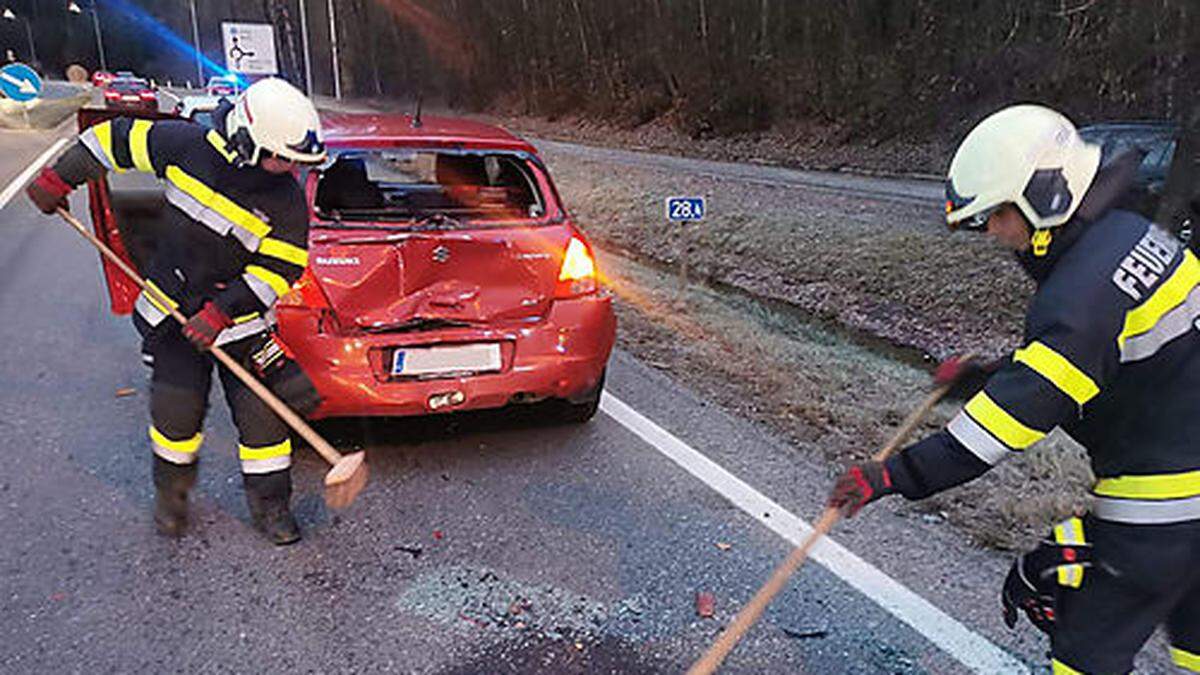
(267,495)
(171,485)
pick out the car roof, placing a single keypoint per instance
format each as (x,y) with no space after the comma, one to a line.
(385,129)
(1131,125)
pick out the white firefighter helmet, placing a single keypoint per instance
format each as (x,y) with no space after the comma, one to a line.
(273,116)
(1027,155)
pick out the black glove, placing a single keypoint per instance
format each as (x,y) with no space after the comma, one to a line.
(860,485)
(1037,600)
(1032,583)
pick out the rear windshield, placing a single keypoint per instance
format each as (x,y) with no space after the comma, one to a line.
(427,186)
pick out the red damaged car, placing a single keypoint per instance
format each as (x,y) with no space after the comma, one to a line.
(444,273)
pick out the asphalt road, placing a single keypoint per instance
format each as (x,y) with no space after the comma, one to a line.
(484,543)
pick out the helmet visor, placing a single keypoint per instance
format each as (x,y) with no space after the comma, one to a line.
(309,145)
(976,222)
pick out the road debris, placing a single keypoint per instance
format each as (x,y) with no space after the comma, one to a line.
(804,633)
(125,391)
(438,535)
(723,546)
(706,604)
(415,550)
(487,599)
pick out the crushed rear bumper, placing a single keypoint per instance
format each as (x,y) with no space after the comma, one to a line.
(562,355)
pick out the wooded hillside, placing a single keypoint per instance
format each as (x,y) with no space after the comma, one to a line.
(712,66)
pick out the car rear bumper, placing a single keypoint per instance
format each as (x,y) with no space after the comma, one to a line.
(561,356)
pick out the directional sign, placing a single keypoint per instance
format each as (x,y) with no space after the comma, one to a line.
(249,48)
(19,82)
(685,209)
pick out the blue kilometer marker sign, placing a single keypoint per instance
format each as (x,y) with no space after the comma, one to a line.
(19,82)
(685,209)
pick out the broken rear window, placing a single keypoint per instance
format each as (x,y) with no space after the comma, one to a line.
(428,186)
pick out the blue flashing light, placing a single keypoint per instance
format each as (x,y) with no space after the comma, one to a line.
(152,26)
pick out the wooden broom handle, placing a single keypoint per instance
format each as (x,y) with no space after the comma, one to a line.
(750,613)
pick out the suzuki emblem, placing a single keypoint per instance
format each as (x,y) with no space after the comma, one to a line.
(441,254)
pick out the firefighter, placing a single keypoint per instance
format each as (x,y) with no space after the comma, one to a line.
(234,239)
(1111,355)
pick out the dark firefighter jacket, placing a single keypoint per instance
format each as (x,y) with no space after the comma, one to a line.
(1111,354)
(233,234)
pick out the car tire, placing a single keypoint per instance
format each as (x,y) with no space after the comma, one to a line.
(582,409)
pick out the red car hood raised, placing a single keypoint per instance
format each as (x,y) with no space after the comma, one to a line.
(377,282)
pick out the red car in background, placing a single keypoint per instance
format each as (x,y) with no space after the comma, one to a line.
(444,273)
(130,93)
(101,78)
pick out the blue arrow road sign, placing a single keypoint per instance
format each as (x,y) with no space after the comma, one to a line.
(19,82)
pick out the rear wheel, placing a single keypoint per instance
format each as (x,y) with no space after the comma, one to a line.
(582,409)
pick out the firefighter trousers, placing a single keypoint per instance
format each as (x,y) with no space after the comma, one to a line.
(1145,576)
(179,401)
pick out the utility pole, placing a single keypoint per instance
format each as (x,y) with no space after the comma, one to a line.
(196,42)
(304,41)
(74,8)
(333,43)
(99,40)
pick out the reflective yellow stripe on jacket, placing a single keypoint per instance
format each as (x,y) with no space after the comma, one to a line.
(1008,429)
(1185,659)
(277,248)
(1171,294)
(1059,371)
(1156,486)
(139,145)
(216,201)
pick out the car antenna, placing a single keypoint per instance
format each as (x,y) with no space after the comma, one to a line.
(416,118)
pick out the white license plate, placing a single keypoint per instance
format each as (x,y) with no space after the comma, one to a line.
(476,358)
(129,98)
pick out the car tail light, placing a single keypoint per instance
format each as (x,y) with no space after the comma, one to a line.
(111,94)
(578,273)
(148,95)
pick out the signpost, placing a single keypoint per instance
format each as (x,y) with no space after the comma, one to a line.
(19,82)
(684,210)
(249,48)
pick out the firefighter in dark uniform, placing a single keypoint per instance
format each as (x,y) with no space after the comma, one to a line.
(1111,355)
(235,239)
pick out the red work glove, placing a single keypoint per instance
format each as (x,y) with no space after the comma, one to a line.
(966,376)
(204,326)
(861,484)
(48,191)
(954,369)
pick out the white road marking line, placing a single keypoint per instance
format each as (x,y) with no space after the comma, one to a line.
(969,648)
(20,181)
